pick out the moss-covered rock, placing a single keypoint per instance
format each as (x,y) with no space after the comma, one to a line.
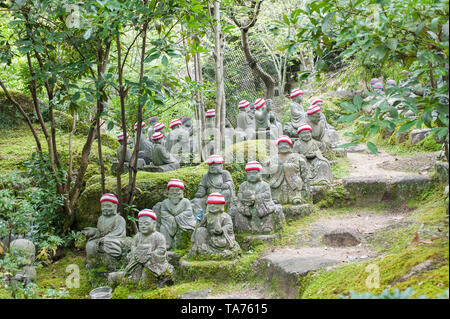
(64,122)
(151,189)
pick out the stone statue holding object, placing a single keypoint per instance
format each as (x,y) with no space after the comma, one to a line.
(316,120)
(177,142)
(107,243)
(263,124)
(319,167)
(214,236)
(148,256)
(298,114)
(253,210)
(287,174)
(161,159)
(176,219)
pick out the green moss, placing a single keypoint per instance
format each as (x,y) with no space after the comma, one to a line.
(342,168)
(64,122)
(334,196)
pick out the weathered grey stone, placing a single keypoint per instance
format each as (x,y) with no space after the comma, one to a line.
(418,135)
(361,148)
(311,237)
(342,237)
(339,152)
(285,271)
(441,169)
(24,248)
(295,212)
(201,294)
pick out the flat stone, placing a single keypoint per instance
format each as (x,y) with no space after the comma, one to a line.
(361,148)
(284,271)
(295,212)
(418,135)
(342,237)
(249,241)
(201,294)
(340,152)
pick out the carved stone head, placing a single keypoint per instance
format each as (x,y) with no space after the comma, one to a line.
(215,168)
(298,99)
(305,135)
(284,148)
(108,208)
(315,118)
(175,195)
(147,225)
(254,176)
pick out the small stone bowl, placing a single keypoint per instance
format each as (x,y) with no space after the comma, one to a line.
(104,292)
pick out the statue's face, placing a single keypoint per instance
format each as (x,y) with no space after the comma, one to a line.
(147,225)
(284,147)
(109,208)
(298,99)
(175,194)
(215,168)
(187,123)
(159,141)
(215,208)
(305,135)
(315,118)
(253,176)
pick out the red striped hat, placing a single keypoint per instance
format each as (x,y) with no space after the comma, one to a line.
(391,82)
(378,85)
(142,125)
(405,72)
(157,136)
(284,138)
(243,104)
(304,127)
(253,166)
(313,109)
(174,123)
(215,198)
(315,101)
(210,113)
(374,80)
(215,159)
(120,136)
(259,102)
(295,93)
(184,118)
(158,127)
(175,183)
(109,198)
(152,119)
(147,212)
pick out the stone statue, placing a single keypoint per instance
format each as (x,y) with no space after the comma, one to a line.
(298,114)
(175,215)
(148,257)
(210,131)
(390,84)
(161,159)
(216,180)
(120,149)
(145,147)
(151,127)
(287,174)
(318,125)
(108,242)
(331,136)
(27,250)
(319,167)
(243,121)
(253,210)
(177,142)
(262,120)
(187,124)
(273,119)
(214,234)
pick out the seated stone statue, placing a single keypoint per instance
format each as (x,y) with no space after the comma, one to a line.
(148,256)
(177,142)
(264,128)
(176,218)
(108,242)
(318,125)
(145,147)
(330,135)
(120,138)
(210,131)
(253,210)
(216,180)
(319,167)
(161,159)
(298,114)
(214,234)
(273,119)
(25,249)
(128,156)
(287,174)
(151,127)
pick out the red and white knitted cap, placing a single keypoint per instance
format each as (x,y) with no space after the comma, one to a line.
(378,85)
(304,127)
(284,138)
(157,136)
(253,166)
(120,136)
(175,183)
(158,127)
(374,80)
(391,82)
(405,72)
(295,93)
(142,125)
(152,119)
(215,159)
(215,198)
(315,101)
(174,123)
(109,198)
(313,109)
(147,212)
(210,113)
(259,102)
(243,104)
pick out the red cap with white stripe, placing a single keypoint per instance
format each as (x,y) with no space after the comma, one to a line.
(259,102)
(174,123)
(157,136)
(295,93)
(210,113)
(253,166)
(304,127)
(120,136)
(243,104)
(315,101)
(109,198)
(313,109)
(142,125)
(175,183)
(147,212)
(284,138)
(215,198)
(215,159)
(158,127)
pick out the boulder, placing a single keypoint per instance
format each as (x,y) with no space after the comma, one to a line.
(295,212)
(441,169)
(342,237)
(418,135)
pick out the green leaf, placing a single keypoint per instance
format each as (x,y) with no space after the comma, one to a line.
(164,60)
(357,101)
(405,127)
(87,34)
(110,125)
(372,147)
(380,51)
(392,43)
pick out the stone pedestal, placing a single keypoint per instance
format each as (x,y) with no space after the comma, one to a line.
(295,212)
